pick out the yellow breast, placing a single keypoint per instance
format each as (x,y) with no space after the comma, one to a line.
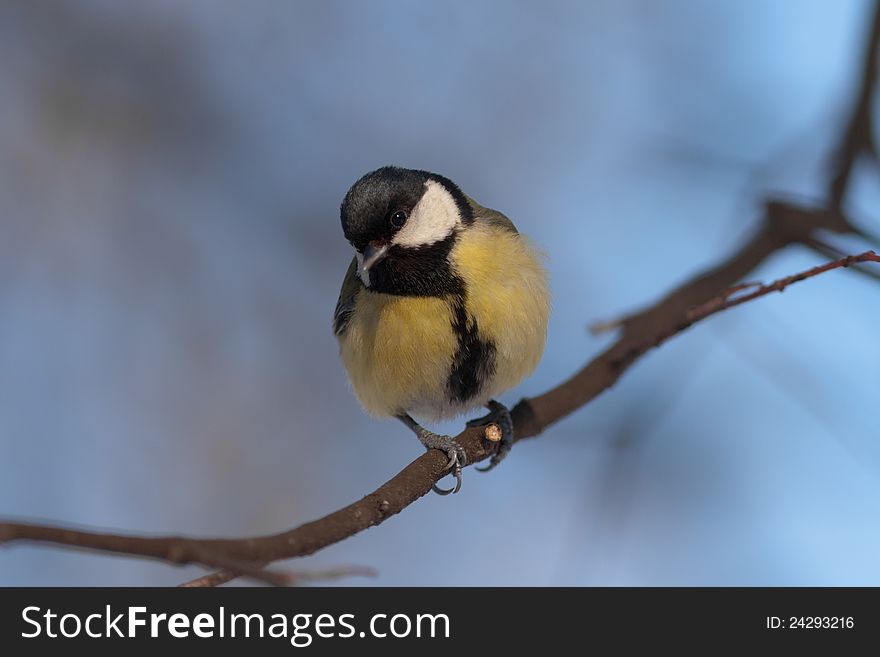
(399,350)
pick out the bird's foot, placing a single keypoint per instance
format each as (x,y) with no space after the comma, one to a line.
(499,415)
(455,452)
(457,456)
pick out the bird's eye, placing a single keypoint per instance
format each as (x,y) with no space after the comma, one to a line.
(398,219)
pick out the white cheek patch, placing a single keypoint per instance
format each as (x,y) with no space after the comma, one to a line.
(433,219)
(363,274)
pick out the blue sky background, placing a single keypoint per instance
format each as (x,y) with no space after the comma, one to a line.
(170,255)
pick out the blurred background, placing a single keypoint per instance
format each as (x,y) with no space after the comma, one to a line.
(170,256)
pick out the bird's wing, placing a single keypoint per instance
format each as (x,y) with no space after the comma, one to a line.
(351,285)
(491,216)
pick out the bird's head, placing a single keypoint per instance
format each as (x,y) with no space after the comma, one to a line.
(402,224)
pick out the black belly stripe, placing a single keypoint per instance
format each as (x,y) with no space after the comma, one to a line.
(474,361)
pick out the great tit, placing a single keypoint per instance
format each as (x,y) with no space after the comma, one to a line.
(444,306)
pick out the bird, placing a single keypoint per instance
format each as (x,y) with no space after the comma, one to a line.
(444,306)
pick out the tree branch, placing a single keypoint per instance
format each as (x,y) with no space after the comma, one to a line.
(248,556)
(783,224)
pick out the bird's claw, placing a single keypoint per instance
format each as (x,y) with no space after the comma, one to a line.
(497,457)
(498,414)
(457,458)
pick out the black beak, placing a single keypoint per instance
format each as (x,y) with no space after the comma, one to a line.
(373,253)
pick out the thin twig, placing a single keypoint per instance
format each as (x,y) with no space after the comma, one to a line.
(726,299)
